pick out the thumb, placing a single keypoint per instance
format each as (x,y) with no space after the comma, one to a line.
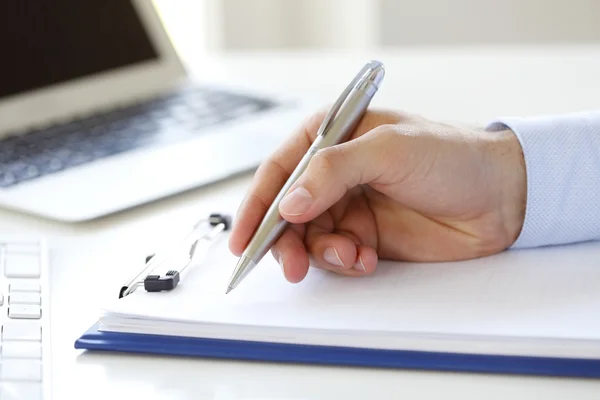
(333,171)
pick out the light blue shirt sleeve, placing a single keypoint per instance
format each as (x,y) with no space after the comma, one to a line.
(562,160)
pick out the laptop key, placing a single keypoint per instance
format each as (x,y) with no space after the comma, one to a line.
(24,286)
(21,370)
(28,330)
(24,298)
(21,349)
(16,390)
(24,311)
(20,265)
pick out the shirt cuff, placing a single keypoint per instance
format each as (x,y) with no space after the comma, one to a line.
(562,160)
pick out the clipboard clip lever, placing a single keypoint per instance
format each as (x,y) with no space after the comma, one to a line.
(178,258)
(158,283)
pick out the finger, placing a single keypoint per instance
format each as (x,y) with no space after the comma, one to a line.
(291,254)
(274,172)
(333,171)
(339,252)
(354,217)
(268,180)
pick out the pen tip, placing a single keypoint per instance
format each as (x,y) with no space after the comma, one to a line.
(243,267)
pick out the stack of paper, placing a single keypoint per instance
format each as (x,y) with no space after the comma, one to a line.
(542,302)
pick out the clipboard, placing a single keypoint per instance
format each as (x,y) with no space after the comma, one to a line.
(448,356)
(160,345)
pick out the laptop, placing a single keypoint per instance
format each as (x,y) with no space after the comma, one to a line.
(99,115)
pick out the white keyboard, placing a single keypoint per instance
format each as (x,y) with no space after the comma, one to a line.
(24,318)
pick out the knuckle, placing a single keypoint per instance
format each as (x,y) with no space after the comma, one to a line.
(327,158)
(396,137)
(382,139)
(382,134)
(384,129)
(406,130)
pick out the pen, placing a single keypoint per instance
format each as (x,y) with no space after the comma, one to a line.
(337,126)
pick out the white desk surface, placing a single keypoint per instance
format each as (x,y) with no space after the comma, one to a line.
(90,260)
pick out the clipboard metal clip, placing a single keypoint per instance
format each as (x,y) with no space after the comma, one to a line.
(176,259)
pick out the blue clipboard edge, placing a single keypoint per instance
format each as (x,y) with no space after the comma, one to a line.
(95,340)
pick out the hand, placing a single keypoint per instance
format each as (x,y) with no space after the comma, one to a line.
(402,188)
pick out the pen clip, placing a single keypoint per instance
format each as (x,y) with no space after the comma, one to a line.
(370,66)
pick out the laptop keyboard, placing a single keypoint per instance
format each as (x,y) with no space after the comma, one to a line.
(183,115)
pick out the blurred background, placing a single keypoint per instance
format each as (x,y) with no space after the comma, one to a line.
(264,25)
(459,61)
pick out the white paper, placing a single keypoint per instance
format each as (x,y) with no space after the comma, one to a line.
(545,293)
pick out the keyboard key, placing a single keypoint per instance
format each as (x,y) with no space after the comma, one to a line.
(21,391)
(23,282)
(7,179)
(21,370)
(21,349)
(24,287)
(19,265)
(32,247)
(24,311)
(24,298)
(24,330)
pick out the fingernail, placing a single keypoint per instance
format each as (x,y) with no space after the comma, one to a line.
(296,203)
(331,256)
(280,261)
(359,265)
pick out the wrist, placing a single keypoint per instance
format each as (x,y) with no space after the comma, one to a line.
(510,177)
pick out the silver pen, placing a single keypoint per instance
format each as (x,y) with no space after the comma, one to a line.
(337,126)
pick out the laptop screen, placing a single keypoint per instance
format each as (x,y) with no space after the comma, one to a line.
(45,42)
